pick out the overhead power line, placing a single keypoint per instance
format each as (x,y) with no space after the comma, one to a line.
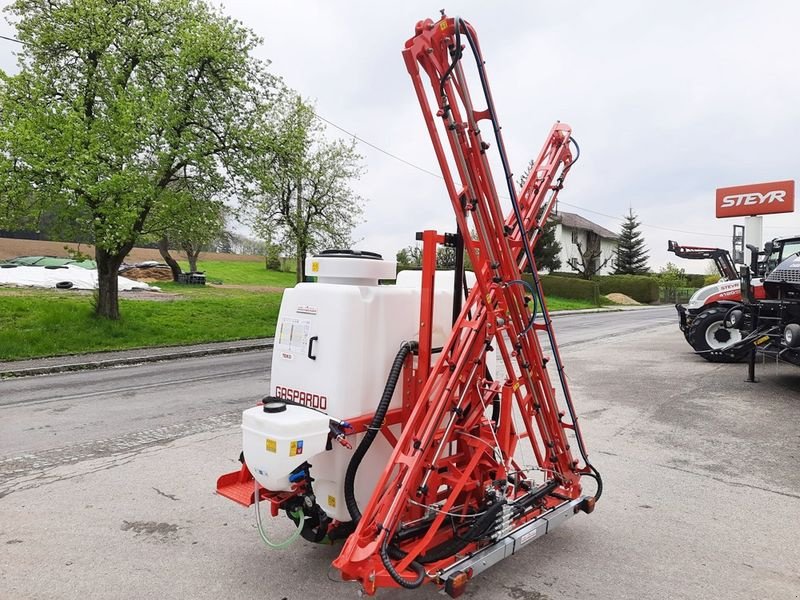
(438,176)
(11,39)
(378,148)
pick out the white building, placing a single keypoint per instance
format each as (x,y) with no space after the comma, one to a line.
(572,229)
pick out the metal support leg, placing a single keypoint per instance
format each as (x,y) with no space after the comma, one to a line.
(751,357)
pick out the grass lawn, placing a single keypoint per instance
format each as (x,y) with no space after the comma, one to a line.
(556,303)
(45,323)
(242,273)
(37,323)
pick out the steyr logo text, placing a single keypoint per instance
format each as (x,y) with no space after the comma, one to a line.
(753,199)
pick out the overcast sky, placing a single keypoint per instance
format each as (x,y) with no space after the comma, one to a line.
(668,100)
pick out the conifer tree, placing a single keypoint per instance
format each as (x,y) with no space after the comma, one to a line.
(547,249)
(631,255)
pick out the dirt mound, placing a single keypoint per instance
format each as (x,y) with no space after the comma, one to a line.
(621,299)
(148,274)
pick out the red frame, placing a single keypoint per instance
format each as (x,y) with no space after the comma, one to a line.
(446,454)
(451,450)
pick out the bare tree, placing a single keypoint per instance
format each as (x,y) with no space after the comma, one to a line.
(589,264)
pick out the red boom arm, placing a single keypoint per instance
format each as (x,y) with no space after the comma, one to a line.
(477,458)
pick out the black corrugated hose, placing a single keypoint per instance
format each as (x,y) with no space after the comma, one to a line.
(373,429)
(358,456)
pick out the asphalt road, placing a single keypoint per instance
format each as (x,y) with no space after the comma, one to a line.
(177,398)
(106,481)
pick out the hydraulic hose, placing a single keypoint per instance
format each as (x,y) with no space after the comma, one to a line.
(372,431)
(593,472)
(534,295)
(386,560)
(476,531)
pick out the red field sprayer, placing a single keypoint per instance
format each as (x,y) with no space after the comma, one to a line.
(467,452)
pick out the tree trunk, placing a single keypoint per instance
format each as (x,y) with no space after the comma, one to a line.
(192,252)
(107,300)
(301,233)
(300,253)
(163,248)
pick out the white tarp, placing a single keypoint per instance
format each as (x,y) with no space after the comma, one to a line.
(80,278)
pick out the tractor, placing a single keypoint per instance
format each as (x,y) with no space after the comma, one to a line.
(702,320)
(771,322)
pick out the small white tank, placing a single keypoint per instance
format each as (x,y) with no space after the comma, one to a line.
(276,443)
(335,341)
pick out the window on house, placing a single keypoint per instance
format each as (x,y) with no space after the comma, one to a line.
(574,236)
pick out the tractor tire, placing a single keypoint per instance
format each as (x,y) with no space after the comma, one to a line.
(708,336)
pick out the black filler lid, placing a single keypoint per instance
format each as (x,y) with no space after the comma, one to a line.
(344,253)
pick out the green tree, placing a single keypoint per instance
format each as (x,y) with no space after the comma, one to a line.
(304,198)
(670,278)
(241,244)
(197,223)
(631,255)
(192,222)
(409,257)
(114,101)
(547,249)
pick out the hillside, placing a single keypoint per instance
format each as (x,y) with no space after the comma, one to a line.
(9,248)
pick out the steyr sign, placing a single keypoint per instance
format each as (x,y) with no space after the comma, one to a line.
(755,199)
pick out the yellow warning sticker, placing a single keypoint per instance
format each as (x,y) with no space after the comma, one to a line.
(762,340)
(515,387)
(332,501)
(272,445)
(443,24)
(314,266)
(296,448)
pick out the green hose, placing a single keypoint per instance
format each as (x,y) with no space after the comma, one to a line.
(298,516)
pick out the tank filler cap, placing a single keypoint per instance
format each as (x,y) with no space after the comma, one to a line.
(350,267)
(273,405)
(347,253)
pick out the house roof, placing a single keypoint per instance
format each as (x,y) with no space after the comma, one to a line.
(568,219)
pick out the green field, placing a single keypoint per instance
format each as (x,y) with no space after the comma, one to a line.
(242,273)
(35,323)
(49,323)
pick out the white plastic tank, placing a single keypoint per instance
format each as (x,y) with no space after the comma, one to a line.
(277,438)
(335,342)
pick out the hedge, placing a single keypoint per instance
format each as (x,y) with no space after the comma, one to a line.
(641,288)
(568,287)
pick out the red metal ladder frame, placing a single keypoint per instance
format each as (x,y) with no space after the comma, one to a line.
(450,454)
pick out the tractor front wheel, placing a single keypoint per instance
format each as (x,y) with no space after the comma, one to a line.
(709,336)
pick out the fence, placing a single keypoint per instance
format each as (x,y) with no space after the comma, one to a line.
(675,295)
